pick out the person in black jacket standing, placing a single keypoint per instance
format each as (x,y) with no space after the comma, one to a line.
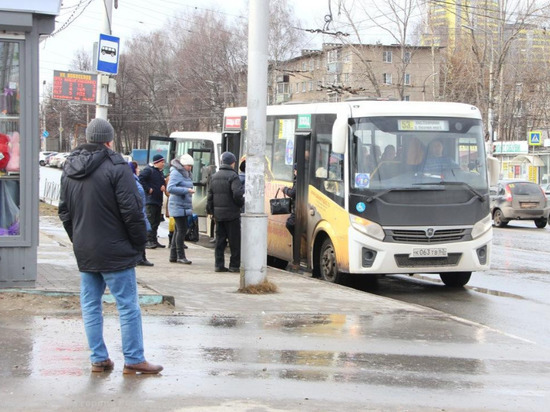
(153,181)
(225,200)
(101,210)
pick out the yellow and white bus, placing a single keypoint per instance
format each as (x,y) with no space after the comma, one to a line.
(383,187)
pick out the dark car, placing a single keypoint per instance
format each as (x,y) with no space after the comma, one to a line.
(519,200)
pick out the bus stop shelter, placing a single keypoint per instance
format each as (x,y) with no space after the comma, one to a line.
(21,25)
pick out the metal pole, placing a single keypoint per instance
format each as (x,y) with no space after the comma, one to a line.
(102,96)
(254,220)
(60,132)
(490,109)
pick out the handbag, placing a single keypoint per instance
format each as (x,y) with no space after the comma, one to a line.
(279,205)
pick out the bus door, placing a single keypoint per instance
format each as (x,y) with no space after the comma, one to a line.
(231,142)
(301,158)
(164,146)
(205,165)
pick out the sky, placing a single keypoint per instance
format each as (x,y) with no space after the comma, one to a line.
(142,16)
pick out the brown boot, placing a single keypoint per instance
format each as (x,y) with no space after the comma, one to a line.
(106,365)
(143,367)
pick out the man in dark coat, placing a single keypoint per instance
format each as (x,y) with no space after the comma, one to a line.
(101,210)
(153,181)
(225,200)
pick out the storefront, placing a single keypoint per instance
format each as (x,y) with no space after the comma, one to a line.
(20,30)
(518,160)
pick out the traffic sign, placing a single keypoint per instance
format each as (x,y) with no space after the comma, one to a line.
(535,138)
(107,54)
(45,133)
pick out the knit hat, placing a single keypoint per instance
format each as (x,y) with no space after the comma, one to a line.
(99,131)
(158,158)
(186,160)
(228,158)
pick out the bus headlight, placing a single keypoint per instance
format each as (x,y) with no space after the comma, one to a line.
(481,227)
(367,227)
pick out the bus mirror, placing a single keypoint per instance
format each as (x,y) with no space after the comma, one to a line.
(339,135)
(493,166)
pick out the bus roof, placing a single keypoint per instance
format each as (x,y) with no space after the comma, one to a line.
(372,108)
(211,136)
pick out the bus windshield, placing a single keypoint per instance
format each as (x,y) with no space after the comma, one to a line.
(413,152)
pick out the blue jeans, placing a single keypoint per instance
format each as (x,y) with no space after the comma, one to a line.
(123,287)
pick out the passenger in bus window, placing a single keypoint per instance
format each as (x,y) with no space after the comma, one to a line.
(389,153)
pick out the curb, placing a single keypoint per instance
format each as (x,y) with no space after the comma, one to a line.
(144,299)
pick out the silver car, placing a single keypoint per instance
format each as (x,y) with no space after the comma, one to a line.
(519,200)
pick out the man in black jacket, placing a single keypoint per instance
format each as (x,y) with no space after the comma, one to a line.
(101,210)
(153,181)
(225,199)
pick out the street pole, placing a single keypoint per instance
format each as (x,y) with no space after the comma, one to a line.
(254,220)
(102,95)
(490,109)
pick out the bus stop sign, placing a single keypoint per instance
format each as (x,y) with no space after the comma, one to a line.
(107,54)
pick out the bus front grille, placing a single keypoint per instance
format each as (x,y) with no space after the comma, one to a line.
(404,261)
(444,235)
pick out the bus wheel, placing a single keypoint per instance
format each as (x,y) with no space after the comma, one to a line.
(455,279)
(276,262)
(328,269)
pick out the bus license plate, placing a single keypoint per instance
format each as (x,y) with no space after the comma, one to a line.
(428,252)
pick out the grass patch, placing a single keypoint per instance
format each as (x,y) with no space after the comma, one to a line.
(260,289)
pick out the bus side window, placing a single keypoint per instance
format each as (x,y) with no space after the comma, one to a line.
(321,160)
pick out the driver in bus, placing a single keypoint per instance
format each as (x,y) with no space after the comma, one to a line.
(436,162)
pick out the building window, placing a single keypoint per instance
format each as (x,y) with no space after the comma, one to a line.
(386,78)
(311,64)
(406,98)
(407,79)
(282,88)
(311,86)
(332,56)
(304,87)
(333,97)
(386,57)
(407,57)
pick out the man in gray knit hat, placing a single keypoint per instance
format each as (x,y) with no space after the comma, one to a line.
(101,210)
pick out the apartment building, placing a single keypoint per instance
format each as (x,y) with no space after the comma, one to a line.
(340,71)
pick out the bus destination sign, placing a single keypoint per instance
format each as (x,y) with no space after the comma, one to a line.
(80,87)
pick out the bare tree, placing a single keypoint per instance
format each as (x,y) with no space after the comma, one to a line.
(395,18)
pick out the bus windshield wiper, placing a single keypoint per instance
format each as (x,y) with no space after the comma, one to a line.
(446,183)
(393,189)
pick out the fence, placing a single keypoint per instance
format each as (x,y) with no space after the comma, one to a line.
(51,193)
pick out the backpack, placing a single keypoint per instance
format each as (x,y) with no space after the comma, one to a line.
(192,234)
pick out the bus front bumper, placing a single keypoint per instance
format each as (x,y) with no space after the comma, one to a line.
(368,255)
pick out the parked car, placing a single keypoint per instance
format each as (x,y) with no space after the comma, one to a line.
(42,156)
(59,159)
(49,157)
(519,200)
